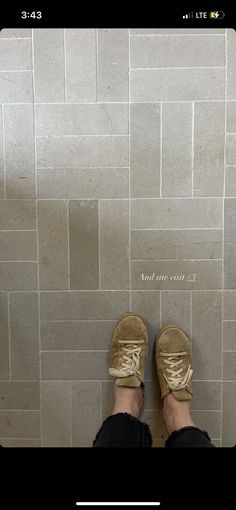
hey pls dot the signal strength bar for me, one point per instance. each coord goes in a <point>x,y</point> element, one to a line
<point>190,15</point>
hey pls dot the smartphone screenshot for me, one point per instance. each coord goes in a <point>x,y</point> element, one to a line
<point>118,244</point>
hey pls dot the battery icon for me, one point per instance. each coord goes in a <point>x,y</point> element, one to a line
<point>217,14</point>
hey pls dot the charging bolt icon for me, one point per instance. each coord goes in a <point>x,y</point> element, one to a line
<point>217,14</point>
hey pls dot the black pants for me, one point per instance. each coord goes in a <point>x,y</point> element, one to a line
<point>124,430</point>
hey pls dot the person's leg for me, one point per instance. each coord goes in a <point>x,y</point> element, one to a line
<point>174,369</point>
<point>129,350</point>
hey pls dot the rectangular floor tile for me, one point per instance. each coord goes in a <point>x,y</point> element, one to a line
<point>114,244</point>
<point>4,344</point>
<point>83,151</point>
<point>19,156</point>
<point>113,64</point>
<point>231,149</point>
<point>176,309</point>
<point>53,244</point>
<point>177,84</point>
<point>229,298</point>
<point>229,413</point>
<point>15,55</point>
<point>206,395</point>
<point>18,276</point>
<point>16,87</point>
<point>176,244</point>
<point>49,70</point>
<point>85,425</point>
<point>74,365</point>
<point>18,245</point>
<point>175,213</point>
<point>231,117</point>
<point>231,72</point>
<point>83,183</point>
<point>229,332</point>
<point>2,170</point>
<point>208,421</point>
<point>81,65</point>
<point>77,335</point>
<point>209,139</point>
<point>82,119</point>
<point>56,413</point>
<point>19,424</point>
<point>147,305</point>
<point>206,327</point>
<point>229,365</point>
<point>177,163</point>
<point>19,395</point>
<point>145,150</point>
<point>84,249</point>
<point>24,336</point>
<point>83,305</point>
<point>185,274</point>
<point>230,243</point>
<point>179,51</point>
<point>17,215</point>
<point>230,181</point>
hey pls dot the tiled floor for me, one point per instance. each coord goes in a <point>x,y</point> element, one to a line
<point>118,149</point>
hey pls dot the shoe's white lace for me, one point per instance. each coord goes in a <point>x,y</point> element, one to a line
<point>131,357</point>
<point>176,381</point>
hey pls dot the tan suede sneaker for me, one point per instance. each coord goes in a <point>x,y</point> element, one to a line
<point>174,363</point>
<point>129,350</point>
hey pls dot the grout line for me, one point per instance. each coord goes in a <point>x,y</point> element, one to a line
<point>74,350</point>
<point>18,261</point>
<point>96,36</point>
<point>191,315</point>
<point>173,260</point>
<point>160,309</point>
<point>68,241</point>
<point>66,291</point>
<point>175,229</point>
<point>99,247</point>
<point>229,350</point>
<point>9,334</point>
<point>80,320</point>
<point>82,136</point>
<point>174,68</point>
<point>15,38</point>
<point>21,410</point>
<point>129,131</point>
<point>37,233</point>
<point>229,320</point>
<point>124,102</point>
<point>161,115</point>
<point>193,134</point>
<point>65,85</point>
<point>178,35</point>
<point>18,230</point>
<point>16,71</point>
<point>101,399</point>
<point>71,412</point>
<point>223,253</point>
<point>4,156</point>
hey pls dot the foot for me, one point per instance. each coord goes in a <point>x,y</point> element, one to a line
<point>174,370</point>
<point>174,363</point>
<point>129,350</point>
<point>128,400</point>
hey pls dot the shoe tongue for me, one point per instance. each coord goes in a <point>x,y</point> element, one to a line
<point>131,381</point>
